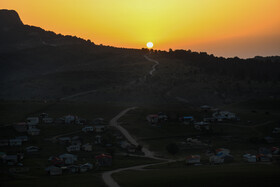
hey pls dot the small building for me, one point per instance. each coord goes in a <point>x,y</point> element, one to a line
<point>88,129</point>
<point>224,115</point>
<point>15,142</point>
<point>209,119</point>
<point>104,160</point>
<point>98,121</point>
<point>124,144</point>
<point>47,120</point>
<point>222,151</point>
<point>32,149</point>
<point>43,115</point>
<point>153,118</point>
<point>53,170</point>
<point>193,141</point>
<point>216,160</point>
<point>99,128</point>
<point>64,140</point>
<point>4,142</point>
<point>86,167</point>
<point>250,158</point>
<point>74,169</point>
<point>275,150</point>
<point>2,154</point>
<point>264,158</point>
<point>32,121</point>
<point>68,158</point>
<point>98,139</point>
<point>10,159</point>
<point>87,147</point>
<point>20,127</point>
<point>193,159</point>
<point>162,117</point>
<point>56,161</point>
<point>132,149</point>
<point>202,126</point>
<point>33,131</point>
<point>73,148</point>
<point>22,138</point>
<point>69,119</point>
<point>59,121</point>
<point>205,108</point>
<point>187,120</point>
<point>276,131</point>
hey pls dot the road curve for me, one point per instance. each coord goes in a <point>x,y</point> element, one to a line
<point>107,176</point>
<point>154,66</point>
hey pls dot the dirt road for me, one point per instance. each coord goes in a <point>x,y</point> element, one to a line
<point>107,176</point>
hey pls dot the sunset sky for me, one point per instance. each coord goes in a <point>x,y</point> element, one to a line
<point>243,28</point>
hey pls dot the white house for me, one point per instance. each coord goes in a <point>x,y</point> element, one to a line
<point>88,129</point>
<point>250,158</point>
<point>87,147</point>
<point>124,144</point>
<point>22,138</point>
<point>69,119</point>
<point>53,170</point>
<point>47,120</point>
<point>10,159</point>
<point>216,160</point>
<point>68,158</point>
<point>73,148</point>
<point>86,167</point>
<point>15,142</point>
<point>33,121</point>
<point>201,125</point>
<point>193,159</point>
<point>98,139</point>
<point>32,149</point>
<point>224,115</point>
<point>99,128</point>
<point>33,131</point>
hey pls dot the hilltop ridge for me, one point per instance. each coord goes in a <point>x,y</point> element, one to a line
<point>9,19</point>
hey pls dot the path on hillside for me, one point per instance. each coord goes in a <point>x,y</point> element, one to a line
<point>77,95</point>
<point>65,134</point>
<point>154,66</point>
<point>107,176</point>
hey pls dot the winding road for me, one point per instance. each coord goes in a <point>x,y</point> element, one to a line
<point>154,66</point>
<point>107,176</point>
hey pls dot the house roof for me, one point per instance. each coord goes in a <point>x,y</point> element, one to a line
<point>103,156</point>
<point>193,157</point>
<point>188,117</point>
<point>32,147</point>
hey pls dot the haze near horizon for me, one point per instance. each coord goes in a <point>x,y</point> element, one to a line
<point>223,28</point>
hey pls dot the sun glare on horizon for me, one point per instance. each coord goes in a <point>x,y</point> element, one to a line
<point>150,45</point>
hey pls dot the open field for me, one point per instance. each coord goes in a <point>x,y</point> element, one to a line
<point>225,175</point>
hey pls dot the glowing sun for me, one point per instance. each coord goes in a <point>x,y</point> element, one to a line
<point>150,45</point>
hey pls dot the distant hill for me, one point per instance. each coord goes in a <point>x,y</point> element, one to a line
<point>39,64</point>
<point>15,35</point>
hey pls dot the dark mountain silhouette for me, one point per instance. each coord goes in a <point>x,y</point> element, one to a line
<point>9,19</point>
<point>15,35</point>
<point>39,64</point>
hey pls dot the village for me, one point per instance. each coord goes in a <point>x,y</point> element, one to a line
<point>268,152</point>
<point>92,145</point>
<point>95,141</point>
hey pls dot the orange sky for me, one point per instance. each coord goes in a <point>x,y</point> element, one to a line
<point>243,28</point>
